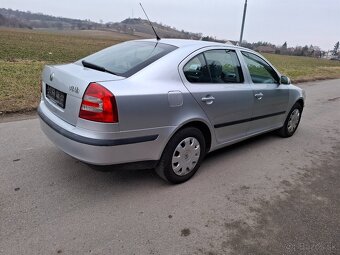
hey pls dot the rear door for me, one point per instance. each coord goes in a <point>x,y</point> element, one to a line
<point>215,79</point>
<point>270,97</point>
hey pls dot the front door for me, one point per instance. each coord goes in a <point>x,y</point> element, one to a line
<point>270,98</point>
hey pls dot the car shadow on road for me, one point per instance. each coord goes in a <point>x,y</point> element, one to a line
<point>237,147</point>
<point>125,175</point>
<point>148,175</point>
<point>86,176</point>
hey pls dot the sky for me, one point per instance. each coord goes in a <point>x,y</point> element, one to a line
<point>299,22</point>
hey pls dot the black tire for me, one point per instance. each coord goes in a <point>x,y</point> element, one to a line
<point>165,167</point>
<point>284,131</point>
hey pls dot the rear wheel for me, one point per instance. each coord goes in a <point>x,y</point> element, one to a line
<point>182,156</point>
<point>292,121</point>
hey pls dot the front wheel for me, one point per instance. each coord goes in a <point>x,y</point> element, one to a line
<point>292,121</point>
<point>182,156</point>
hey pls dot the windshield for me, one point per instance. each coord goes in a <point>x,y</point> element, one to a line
<point>126,59</point>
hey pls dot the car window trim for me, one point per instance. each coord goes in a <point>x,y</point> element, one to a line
<point>206,63</point>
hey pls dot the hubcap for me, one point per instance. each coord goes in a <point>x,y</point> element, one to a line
<point>293,120</point>
<point>186,156</point>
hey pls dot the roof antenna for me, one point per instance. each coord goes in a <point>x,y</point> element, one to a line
<point>157,37</point>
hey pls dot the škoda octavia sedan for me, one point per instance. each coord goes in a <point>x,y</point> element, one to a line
<point>164,104</point>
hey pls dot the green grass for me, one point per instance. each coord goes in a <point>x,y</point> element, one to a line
<point>301,69</point>
<point>23,53</point>
<point>52,47</point>
<point>19,85</point>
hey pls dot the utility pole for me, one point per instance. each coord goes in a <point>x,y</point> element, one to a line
<point>243,20</point>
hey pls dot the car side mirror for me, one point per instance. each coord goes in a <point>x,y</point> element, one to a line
<point>285,80</point>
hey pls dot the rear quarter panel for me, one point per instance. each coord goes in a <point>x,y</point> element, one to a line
<point>142,99</point>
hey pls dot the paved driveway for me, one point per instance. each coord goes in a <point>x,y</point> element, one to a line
<point>267,195</point>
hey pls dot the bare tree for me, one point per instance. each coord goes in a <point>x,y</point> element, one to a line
<point>336,49</point>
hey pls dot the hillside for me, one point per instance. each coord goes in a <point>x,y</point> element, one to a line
<point>39,20</point>
<point>136,26</point>
<point>142,27</point>
<point>12,22</point>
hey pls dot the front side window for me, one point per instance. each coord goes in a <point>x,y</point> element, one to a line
<point>214,66</point>
<point>260,71</point>
<point>224,66</point>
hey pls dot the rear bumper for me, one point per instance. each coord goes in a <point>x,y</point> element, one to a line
<point>103,148</point>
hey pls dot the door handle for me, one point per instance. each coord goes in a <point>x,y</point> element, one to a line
<point>259,96</point>
<point>208,99</point>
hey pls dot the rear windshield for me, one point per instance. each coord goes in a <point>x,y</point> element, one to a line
<point>126,59</point>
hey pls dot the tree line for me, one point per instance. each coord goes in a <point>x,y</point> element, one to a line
<point>307,50</point>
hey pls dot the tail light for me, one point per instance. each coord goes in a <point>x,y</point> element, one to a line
<point>98,104</point>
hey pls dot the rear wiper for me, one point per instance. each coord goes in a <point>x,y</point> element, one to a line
<point>96,67</point>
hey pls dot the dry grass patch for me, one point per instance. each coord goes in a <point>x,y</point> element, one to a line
<point>19,85</point>
<point>23,53</point>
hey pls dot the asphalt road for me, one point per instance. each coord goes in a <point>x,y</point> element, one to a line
<point>267,195</point>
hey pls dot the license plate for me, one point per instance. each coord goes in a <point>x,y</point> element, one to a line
<point>56,96</point>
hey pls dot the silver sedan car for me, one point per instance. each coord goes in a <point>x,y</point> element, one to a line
<point>164,104</point>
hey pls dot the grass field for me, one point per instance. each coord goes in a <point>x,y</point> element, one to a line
<point>302,69</point>
<point>23,53</point>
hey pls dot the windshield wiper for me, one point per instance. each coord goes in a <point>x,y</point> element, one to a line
<point>96,67</point>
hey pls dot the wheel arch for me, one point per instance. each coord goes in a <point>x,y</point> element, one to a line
<point>301,102</point>
<point>204,128</point>
<point>200,124</point>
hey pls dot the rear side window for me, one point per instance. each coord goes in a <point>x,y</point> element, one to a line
<point>260,71</point>
<point>196,70</point>
<point>214,66</point>
<point>126,59</point>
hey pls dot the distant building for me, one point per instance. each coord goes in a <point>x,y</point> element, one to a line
<point>229,43</point>
<point>328,54</point>
<point>265,49</point>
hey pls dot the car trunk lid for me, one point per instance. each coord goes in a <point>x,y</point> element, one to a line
<point>65,85</point>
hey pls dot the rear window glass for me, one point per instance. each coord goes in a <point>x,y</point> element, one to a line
<point>126,59</point>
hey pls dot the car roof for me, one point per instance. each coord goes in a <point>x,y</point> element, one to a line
<point>187,42</point>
